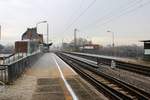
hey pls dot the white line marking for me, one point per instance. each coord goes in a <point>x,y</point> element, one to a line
<point>66,83</point>
<point>66,65</point>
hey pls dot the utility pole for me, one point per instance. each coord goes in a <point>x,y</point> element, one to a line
<point>47,33</point>
<point>113,42</point>
<point>0,32</point>
<point>113,63</point>
<point>62,44</point>
<point>75,39</point>
<point>47,41</point>
<point>47,28</point>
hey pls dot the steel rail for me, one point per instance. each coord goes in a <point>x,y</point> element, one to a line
<point>135,91</point>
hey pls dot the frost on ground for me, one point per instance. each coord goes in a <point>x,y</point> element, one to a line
<point>22,89</point>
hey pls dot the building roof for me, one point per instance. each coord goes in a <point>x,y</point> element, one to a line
<point>31,34</point>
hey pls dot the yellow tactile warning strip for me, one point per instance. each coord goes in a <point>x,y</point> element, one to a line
<point>49,89</point>
<point>81,89</point>
<point>65,82</point>
<point>65,90</point>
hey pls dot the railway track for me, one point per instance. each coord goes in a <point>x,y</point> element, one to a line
<point>111,87</point>
<point>132,67</point>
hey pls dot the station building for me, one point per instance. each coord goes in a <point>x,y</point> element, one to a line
<point>30,42</point>
<point>31,34</point>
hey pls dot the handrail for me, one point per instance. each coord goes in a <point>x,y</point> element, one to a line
<point>5,57</point>
<point>11,70</point>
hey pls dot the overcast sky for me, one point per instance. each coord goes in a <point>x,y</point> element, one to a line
<point>128,19</point>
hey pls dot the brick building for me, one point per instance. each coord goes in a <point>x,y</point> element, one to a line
<point>31,34</point>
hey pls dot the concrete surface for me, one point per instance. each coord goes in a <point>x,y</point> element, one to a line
<point>50,79</point>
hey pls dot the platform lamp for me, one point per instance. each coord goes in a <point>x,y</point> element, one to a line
<point>0,31</point>
<point>47,28</point>
<point>113,64</point>
<point>113,41</point>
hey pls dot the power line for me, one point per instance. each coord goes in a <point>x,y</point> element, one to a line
<point>80,15</point>
<point>121,9</point>
<point>125,13</point>
<point>80,6</point>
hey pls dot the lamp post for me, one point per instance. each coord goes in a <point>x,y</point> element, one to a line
<point>0,31</point>
<point>75,39</point>
<point>113,42</point>
<point>47,33</point>
<point>47,28</point>
<point>113,64</point>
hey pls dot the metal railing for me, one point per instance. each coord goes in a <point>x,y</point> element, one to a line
<point>15,65</point>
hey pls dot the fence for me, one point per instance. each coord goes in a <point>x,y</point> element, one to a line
<point>13,67</point>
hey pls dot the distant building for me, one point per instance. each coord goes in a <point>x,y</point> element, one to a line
<point>90,48</point>
<point>146,49</point>
<point>31,34</point>
<point>26,46</point>
<point>68,46</point>
<point>30,42</point>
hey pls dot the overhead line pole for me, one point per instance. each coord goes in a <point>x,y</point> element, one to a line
<point>47,33</point>
<point>113,42</point>
<point>0,31</point>
<point>109,17</point>
<point>47,29</point>
<point>80,15</point>
<point>75,39</point>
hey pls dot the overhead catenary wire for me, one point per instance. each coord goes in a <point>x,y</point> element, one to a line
<point>78,9</point>
<point>122,9</point>
<point>80,15</point>
<point>128,8</point>
<point>111,13</point>
<point>125,13</point>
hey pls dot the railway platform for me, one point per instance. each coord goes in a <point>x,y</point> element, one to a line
<point>50,78</point>
<point>128,60</point>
